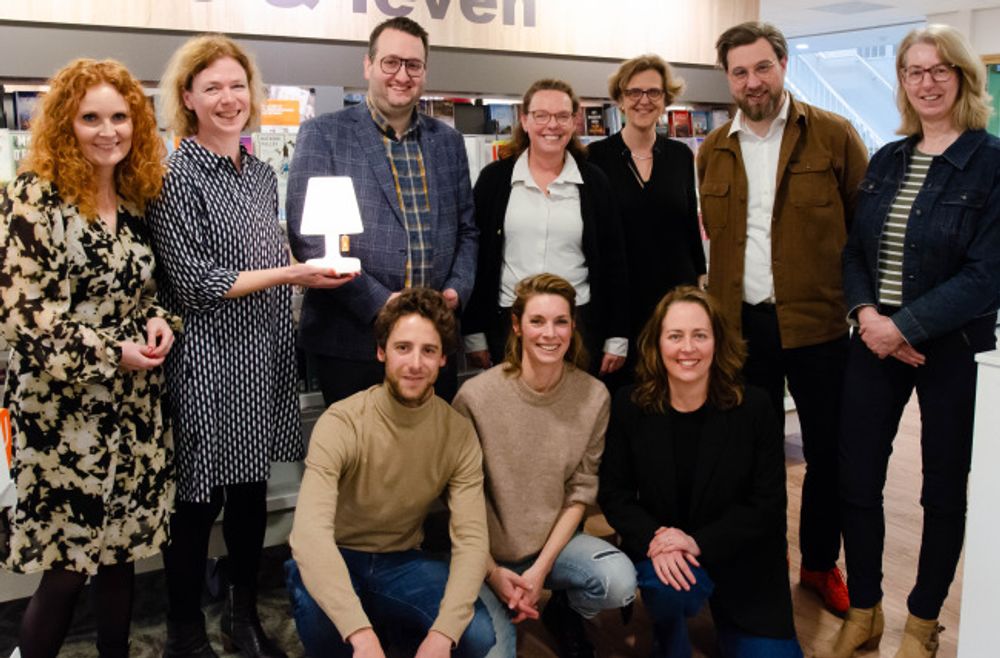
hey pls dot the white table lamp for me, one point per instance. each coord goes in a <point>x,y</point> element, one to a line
<point>331,210</point>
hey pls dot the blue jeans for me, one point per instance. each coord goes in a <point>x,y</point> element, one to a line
<point>669,609</point>
<point>595,574</point>
<point>400,592</point>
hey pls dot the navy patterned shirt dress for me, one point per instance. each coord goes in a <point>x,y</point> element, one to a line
<point>231,375</point>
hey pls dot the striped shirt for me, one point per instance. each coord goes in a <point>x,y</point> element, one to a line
<point>893,243</point>
<point>407,164</point>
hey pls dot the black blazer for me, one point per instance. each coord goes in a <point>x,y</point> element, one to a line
<point>603,248</point>
<point>738,504</point>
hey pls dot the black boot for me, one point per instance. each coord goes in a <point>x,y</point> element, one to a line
<point>187,639</point>
<point>566,626</point>
<point>241,628</point>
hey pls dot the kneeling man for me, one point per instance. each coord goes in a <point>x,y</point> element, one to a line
<point>377,462</point>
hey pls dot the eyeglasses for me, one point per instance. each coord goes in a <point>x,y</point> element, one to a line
<point>541,117</point>
<point>760,70</point>
<point>914,75</point>
<point>390,65</point>
<point>634,94</point>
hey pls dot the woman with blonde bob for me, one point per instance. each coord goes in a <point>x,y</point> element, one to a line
<point>921,278</point>
<point>652,178</point>
<point>91,459</point>
<point>693,481</point>
<point>232,375</point>
<point>541,420</point>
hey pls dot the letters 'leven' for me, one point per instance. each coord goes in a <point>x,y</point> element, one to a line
<point>474,11</point>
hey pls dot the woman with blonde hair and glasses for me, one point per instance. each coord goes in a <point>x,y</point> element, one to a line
<point>546,209</point>
<point>922,282</point>
<point>541,420</point>
<point>92,461</point>
<point>653,180</point>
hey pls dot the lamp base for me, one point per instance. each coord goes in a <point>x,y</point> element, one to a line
<point>337,263</point>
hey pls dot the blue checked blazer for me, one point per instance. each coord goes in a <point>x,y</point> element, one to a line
<point>339,322</point>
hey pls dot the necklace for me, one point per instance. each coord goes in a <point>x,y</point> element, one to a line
<point>636,156</point>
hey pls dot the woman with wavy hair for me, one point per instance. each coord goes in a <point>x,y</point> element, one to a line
<point>91,450</point>
<point>693,481</point>
<point>541,421</point>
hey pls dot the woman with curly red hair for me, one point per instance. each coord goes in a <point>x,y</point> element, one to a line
<point>78,306</point>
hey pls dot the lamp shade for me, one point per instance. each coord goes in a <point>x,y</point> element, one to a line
<point>330,207</point>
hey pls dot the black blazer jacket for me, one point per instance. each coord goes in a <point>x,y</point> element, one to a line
<point>738,504</point>
<point>603,248</point>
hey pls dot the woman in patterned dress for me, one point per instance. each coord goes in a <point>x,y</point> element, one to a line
<point>77,304</point>
<point>232,375</point>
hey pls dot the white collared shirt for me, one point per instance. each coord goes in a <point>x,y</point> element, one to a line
<point>760,161</point>
<point>544,232</point>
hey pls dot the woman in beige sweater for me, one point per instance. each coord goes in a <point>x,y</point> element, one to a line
<point>541,421</point>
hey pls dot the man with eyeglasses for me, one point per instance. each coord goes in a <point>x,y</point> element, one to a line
<point>778,187</point>
<point>411,177</point>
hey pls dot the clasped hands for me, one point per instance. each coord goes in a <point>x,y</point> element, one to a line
<point>519,592</point>
<point>884,339</point>
<point>672,552</point>
<point>159,340</point>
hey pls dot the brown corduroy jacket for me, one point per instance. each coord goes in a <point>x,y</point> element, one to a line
<point>821,163</point>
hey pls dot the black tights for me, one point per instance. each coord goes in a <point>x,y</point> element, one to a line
<point>243,526</point>
<point>47,618</point>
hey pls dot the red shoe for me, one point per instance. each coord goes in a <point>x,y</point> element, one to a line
<point>830,585</point>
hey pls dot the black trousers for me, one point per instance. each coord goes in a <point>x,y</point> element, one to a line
<point>815,374</point>
<point>185,558</point>
<point>875,392</point>
<point>341,378</point>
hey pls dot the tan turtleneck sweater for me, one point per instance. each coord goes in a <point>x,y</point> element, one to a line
<point>373,470</point>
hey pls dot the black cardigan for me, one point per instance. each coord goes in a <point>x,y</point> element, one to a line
<point>663,244</point>
<point>738,503</point>
<point>603,248</point>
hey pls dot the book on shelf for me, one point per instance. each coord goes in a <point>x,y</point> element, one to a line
<point>502,116</point>
<point>276,149</point>
<point>699,123</point>
<point>595,121</point>
<point>14,146</point>
<point>680,123</point>
<point>613,119</point>
<point>25,104</point>
<point>719,118</point>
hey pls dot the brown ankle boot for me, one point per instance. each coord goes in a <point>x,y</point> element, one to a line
<point>920,638</point>
<point>862,629</point>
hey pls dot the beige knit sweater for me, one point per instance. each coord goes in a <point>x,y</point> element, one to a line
<point>540,452</point>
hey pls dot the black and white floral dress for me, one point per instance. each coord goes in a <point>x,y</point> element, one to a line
<point>92,451</point>
<point>232,374</point>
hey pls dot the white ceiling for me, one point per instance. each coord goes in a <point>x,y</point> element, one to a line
<point>808,17</point>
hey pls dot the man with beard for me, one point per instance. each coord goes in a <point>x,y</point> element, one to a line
<point>778,186</point>
<point>377,462</point>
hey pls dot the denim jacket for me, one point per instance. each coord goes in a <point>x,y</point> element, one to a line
<point>951,263</point>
